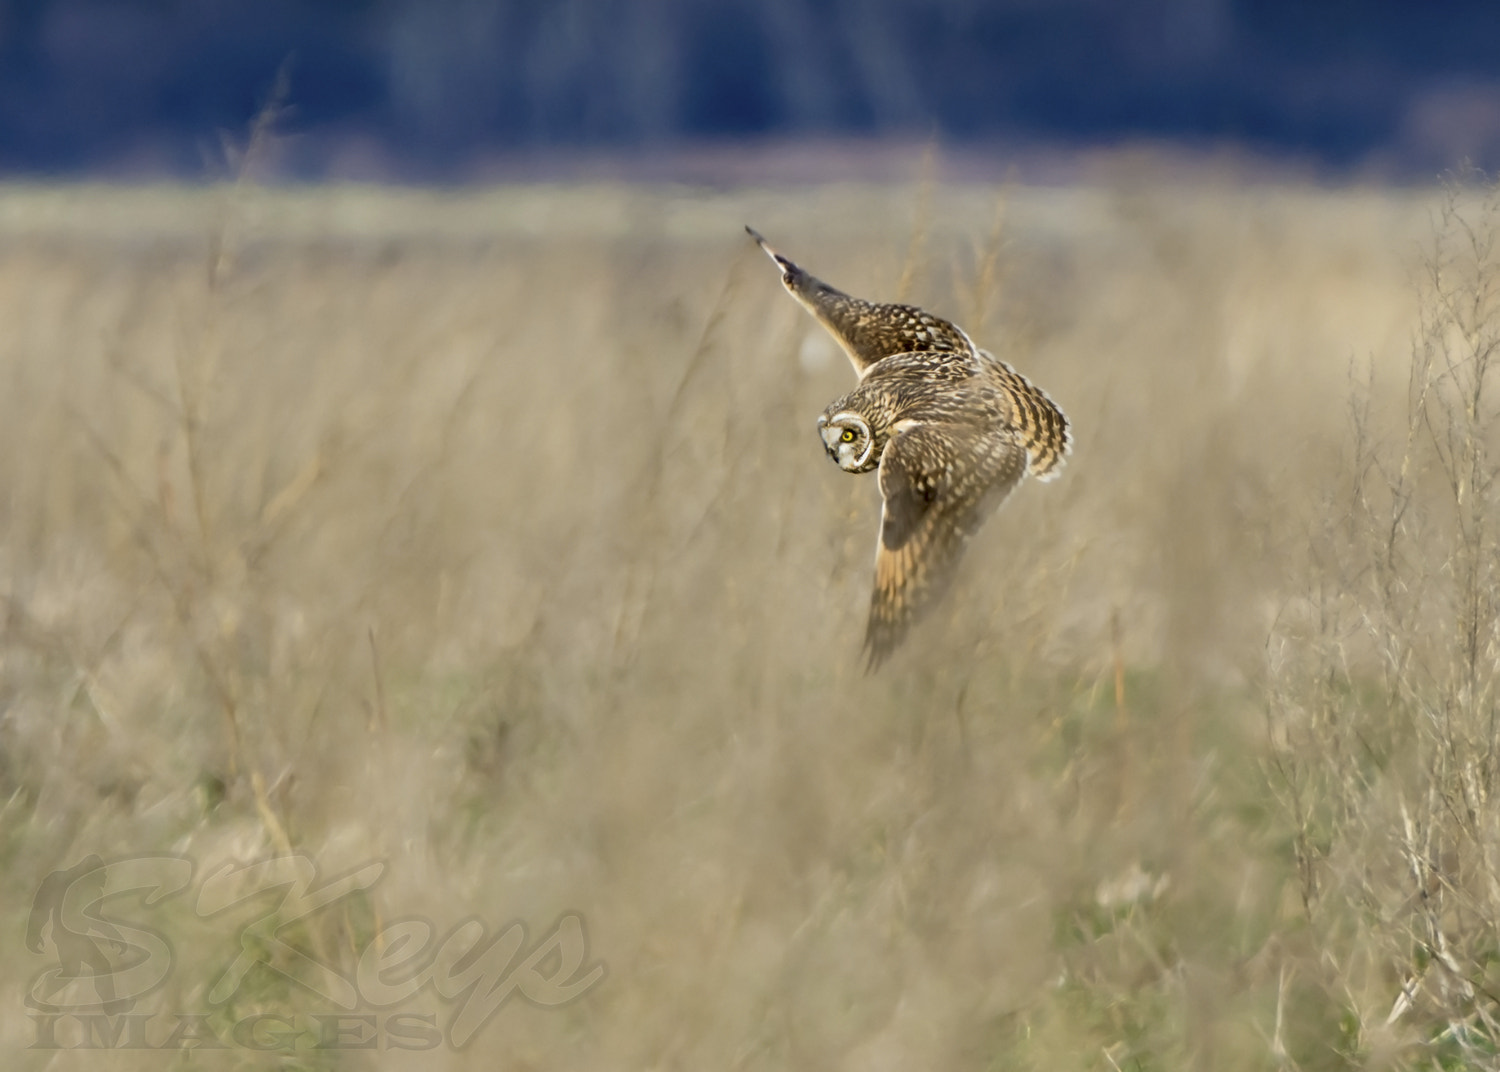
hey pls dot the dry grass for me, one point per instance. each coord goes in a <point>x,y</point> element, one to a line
<point>1384,702</point>
<point>487,535</point>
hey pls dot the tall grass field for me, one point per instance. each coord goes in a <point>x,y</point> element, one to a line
<point>430,627</point>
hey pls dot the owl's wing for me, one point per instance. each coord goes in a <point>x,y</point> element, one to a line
<point>940,483</point>
<point>867,331</point>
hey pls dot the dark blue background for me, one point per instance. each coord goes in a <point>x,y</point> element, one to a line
<point>425,88</point>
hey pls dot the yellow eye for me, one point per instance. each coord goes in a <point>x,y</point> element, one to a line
<point>848,436</point>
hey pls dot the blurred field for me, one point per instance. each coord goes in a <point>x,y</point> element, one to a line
<point>488,535</point>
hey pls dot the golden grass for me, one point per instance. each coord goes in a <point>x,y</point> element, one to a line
<point>487,535</point>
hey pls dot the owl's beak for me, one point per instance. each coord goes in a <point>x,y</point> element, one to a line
<point>823,435</point>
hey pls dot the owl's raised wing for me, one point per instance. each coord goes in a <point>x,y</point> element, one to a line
<point>867,331</point>
<point>940,483</point>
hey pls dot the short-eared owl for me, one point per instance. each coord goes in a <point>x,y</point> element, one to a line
<point>952,429</point>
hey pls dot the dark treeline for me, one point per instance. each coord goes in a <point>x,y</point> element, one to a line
<point>85,84</point>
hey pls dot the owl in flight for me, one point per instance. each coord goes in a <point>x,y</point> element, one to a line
<point>951,427</point>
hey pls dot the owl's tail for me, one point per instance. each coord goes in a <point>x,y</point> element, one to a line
<point>1045,431</point>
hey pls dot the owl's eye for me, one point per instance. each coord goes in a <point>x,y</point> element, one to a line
<point>848,436</point>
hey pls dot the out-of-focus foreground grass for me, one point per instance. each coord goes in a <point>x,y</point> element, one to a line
<point>488,536</point>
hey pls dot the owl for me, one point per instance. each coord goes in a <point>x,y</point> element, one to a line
<point>950,428</point>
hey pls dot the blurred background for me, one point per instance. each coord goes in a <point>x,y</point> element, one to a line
<point>405,456</point>
<point>466,89</point>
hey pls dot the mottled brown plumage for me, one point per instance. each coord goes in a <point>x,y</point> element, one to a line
<point>867,331</point>
<point>952,429</point>
<point>931,509</point>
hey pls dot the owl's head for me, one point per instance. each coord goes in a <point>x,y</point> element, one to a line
<point>848,440</point>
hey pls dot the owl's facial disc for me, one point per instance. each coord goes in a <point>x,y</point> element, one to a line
<point>847,439</point>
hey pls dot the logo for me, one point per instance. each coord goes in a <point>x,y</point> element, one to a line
<point>408,985</point>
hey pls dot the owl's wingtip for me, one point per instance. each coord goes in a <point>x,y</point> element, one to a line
<point>784,264</point>
<point>761,242</point>
<point>879,644</point>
